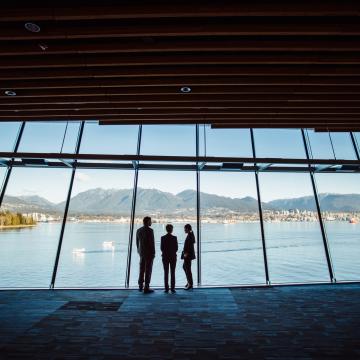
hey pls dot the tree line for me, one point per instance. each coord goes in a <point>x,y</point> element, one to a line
<point>8,218</point>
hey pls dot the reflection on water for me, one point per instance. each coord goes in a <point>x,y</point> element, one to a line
<point>95,255</point>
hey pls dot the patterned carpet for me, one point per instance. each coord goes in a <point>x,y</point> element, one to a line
<point>295,322</point>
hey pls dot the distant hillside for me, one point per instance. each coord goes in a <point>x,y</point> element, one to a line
<point>118,202</point>
<point>328,202</point>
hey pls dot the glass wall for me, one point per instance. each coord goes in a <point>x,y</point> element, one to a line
<point>176,140</point>
<point>8,134</point>
<point>109,139</point>
<point>56,137</point>
<point>330,145</point>
<point>292,232</point>
<point>279,143</point>
<point>224,142</point>
<point>94,250</point>
<point>231,247</point>
<point>340,205</point>
<point>2,175</point>
<point>30,222</point>
<point>168,197</point>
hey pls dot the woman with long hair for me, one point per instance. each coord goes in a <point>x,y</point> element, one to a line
<point>188,255</point>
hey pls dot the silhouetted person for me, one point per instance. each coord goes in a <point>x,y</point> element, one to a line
<point>169,247</point>
<point>145,244</point>
<point>188,255</point>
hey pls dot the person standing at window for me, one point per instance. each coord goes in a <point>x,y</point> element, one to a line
<point>188,255</point>
<point>169,248</point>
<point>145,244</point>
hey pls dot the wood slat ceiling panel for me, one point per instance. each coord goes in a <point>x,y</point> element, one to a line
<point>260,64</point>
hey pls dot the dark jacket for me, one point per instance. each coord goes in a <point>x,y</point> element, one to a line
<point>189,246</point>
<point>169,246</point>
<point>145,242</point>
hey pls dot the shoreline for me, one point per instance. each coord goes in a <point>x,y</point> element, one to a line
<point>3,227</point>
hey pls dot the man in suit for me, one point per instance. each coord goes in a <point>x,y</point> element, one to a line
<point>169,247</point>
<point>145,244</point>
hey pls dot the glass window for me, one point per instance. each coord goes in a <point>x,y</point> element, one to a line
<point>340,207</point>
<point>279,143</point>
<point>54,137</point>
<point>357,140</point>
<point>224,142</point>
<point>30,219</point>
<point>231,243</point>
<point>330,145</point>
<point>94,250</point>
<point>109,139</point>
<point>2,175</point>
<point>168,197</point>
<point>168,140</point>
<point>292,231</point>
<point>8,134</point>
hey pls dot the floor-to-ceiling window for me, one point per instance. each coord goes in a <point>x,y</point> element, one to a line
<point>222,196</point>
<point>339,196</point>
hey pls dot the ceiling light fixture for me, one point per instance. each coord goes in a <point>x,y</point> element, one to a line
<point>185,89</point>
<point>10,93</point>
<point>43,47</point>
<point>35,28</point>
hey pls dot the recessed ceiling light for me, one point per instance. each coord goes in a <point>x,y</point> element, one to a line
<point>35,28</point>
<point>43,47</point>
<point>139,108</point>
<point>185,89</point>
<point>10,93</point>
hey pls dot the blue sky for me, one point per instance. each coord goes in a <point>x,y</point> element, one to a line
<point>174,140</point>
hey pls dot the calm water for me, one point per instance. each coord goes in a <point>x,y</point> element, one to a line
<point>95,254</point>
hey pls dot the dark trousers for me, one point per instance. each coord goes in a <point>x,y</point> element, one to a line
<point>145,272</point>
<point>188,273</point>
<point>172,264</point>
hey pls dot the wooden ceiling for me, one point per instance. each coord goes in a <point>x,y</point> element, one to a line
<point>248,63</point>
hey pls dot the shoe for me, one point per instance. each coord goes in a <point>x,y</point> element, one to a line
<point>140,289</point>
<point>173,291</point>
<point>188,288</point>
<point>166,291</point>
<point>148,291</point>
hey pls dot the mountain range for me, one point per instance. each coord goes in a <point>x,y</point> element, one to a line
<point>118,202</point>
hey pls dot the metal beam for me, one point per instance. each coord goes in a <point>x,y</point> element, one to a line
<point>68,198</point>
<point>182,159</point>
<point>198,208</point>
<point>355,145</point>
<point>317,202</point>
<point>133,208</point>
<point>9,169</point>
<point>263,242</point>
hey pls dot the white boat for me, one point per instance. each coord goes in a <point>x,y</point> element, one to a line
<point>108,244</point>
<point>78,250</point>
